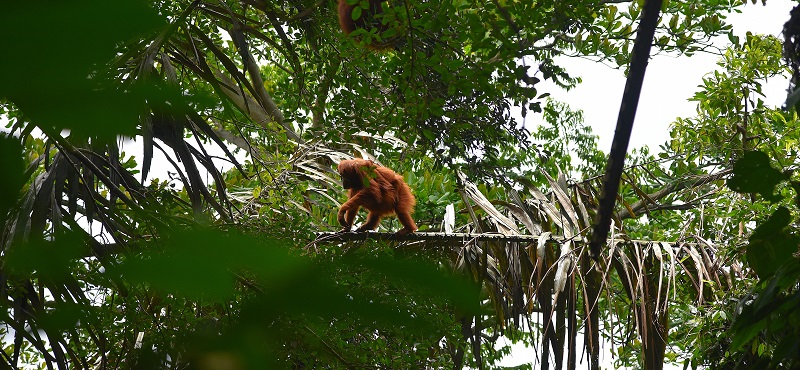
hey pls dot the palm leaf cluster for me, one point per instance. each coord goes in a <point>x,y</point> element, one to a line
<point>553,290</point>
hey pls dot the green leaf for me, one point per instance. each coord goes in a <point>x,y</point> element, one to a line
<point>12,167</point>
<point>753,174</point>
<point>52,84</point>
<point>203,264</point>
<point>673,22</point>
<point>64,316</point>
<point>356,13</point>
<point>391,32</point>
<point>746,332</point>
<point>771,245</point>
<point>48,259</point>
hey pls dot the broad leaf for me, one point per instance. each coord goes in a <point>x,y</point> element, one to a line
<point>753,174</point>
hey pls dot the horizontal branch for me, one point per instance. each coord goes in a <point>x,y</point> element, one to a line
<point>104,250</point>
<point>427,236</point>
<point>331,237</point>
<point>688,183</point>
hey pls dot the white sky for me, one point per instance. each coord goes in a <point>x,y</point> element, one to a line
<point>668,83</point>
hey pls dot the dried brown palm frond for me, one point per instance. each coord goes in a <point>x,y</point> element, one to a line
<point>560,288</point>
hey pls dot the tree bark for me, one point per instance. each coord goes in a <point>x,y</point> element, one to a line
<point>627,113</point>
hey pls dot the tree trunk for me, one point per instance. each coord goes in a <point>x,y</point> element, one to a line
<point>655,322</point>
<point>591,339</point>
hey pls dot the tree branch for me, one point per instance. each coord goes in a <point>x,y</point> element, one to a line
<point>461,238</point>
<point>627,112</point>
<point>691,182</point>
<point>250,106</point>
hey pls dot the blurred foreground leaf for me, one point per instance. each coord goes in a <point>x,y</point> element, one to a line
<point>277,289</point>
<point>56,59</point>
<point>12,167</point>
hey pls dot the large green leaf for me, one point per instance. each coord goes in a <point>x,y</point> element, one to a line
<point>772,244</point>
<point>55,71</point>
<point>753,173</point>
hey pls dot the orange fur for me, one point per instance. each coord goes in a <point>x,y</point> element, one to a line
<point>378,189</point>
<point>346,20</point>
<point>367,20</point>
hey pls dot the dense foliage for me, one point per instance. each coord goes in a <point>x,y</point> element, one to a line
<point>199,250</point>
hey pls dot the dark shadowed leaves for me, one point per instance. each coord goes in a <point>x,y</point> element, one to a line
<point>773,311</point>
<point>207,263</point>
<point>460,292</point>
<point>12,168</point>
<point>50,260</point>
<point>56,56</point>
<point>753,174</point>
<point>771,244</point>
<point>204,264</point>
<point>63,316</point>
<point>217,266</point>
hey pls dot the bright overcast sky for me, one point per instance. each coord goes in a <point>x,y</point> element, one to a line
<point>668,83</point>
